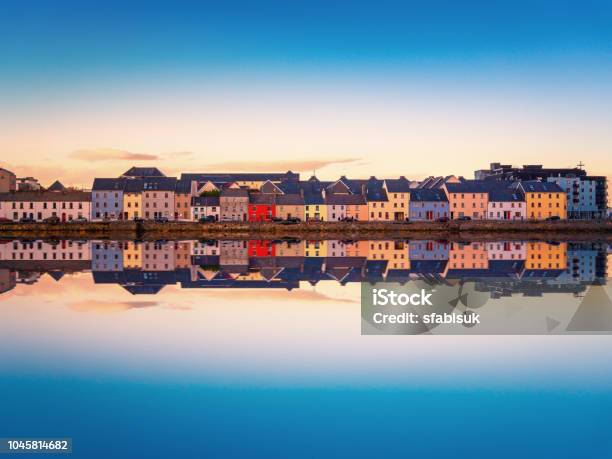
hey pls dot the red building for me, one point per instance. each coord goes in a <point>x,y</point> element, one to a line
<point>262,207</point>
<point>262,248</point>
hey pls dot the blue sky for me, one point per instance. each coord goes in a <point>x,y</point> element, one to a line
<point>74,38</point>
<point>494,64</point>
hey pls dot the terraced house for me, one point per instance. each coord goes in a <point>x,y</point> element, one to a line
<point>379,207</point>
<point>506,204</point>
<point>315,208</point>
<point>132,199</point>
<point>158,197</point>
<point>262,207</point>
<point>65,204</point>
<point>183,194</point>
<point>428,204</point>
<point>469,198</point>
<point>205,206</point>
<point>543,200</point>
<point>107,198</point>
<point>290,205</point>
<point>398,193</point>
<point>234,203</point>
<point>337,197</point>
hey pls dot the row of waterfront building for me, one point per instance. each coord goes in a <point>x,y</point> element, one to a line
<point>144,267</point>
<point>500,193</point>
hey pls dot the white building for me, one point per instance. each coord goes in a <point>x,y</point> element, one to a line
<point>66,205</point>
<point>205,206</point>
<point>506,205</point>
<point>64,250</point>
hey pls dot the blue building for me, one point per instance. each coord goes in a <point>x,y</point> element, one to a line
<point>107,198</point>
<point>581,196</point>
<point>428,250</point>
<point>106,256</point>
<point>428,204</point>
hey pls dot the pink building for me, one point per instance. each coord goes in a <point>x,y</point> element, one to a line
<point>158,197</point>
<point>506,205</point>
<point>157,256</point>
<point>508,250</point>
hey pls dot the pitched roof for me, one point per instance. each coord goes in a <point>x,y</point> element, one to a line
<point>241,177</point>
<point>108,184</point>
<point>262,199</point>
<point>56,186</point>
<point>133,186</point>
<point>470,186</point>
<point>428,195</point>
<point>40,196</point>
<point>290,199</point>
<point>375,190</point>
<point>345,199</point>
<point>159,183</point>
<point>313,197</point>
<point>534,186</point>
<point>234,193</point>
<point>400,185</point>
<point>205,201</point>
<point>143,172</point>
<point>183,186</point>
<point>506,195</point>
<point>270,187</point>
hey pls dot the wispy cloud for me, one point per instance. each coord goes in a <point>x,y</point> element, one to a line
<point>270,166</point>
<point>105,154</point>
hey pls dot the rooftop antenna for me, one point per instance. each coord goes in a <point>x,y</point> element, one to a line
<point>580,165</point>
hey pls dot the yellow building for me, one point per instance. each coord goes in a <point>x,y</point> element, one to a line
<point>315,248</point>
<point>315,211</point>
<point>544,200</point>
<point>379,207</point>
<point>394,252</point>
<point>398,194</point>
<point>132,255</point>
<point>132,199</point>
<point>542,255</point>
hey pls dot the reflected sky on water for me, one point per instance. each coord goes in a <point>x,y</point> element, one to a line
<point>279,313</point>
<point>254,348</point>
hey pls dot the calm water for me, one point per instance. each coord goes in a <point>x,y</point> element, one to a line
<point>254,348</point>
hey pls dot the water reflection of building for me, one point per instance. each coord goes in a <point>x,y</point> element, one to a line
<point>506,250</point>
<point>24,261</point>
<point>37,250</point>
<point>468,256</point>
<point>543,255</point>
<point>500,268</point>
<point>106,256</point>
<point>428,250</point>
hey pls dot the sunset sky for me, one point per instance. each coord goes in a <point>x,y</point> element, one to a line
<point>382,88</point>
